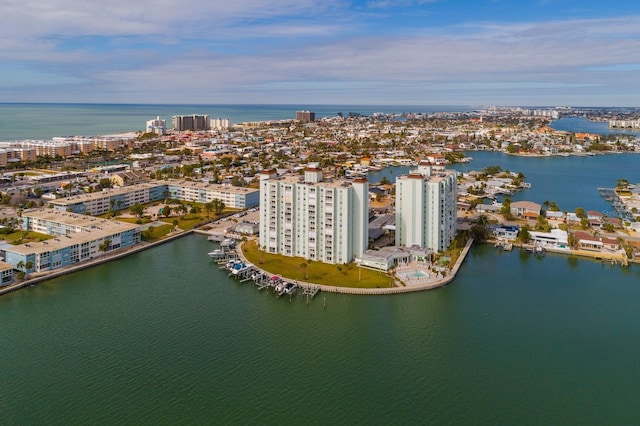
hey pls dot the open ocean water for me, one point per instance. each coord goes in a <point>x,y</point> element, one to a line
<point>165,337</point>
<point>45,121</point>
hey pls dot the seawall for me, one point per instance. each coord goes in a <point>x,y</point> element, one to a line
<point>107,257</point>
<point>381,291</point>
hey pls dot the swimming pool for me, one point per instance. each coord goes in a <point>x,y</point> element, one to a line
<point>415,273</point>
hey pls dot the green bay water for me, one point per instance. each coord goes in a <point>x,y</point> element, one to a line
<point>164,336</point>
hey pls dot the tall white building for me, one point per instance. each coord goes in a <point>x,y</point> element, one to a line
<point>426,207</point>
<point>312,218</point>
<point>219,123</point>
<point>157,126</point>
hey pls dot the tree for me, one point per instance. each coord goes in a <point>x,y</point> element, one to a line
<point>137,210</point>
<point>20,265</point>
<point>622,184</point>
<point>579,211</point>
<point>480,229</point>
<point>147,234</point>
<point>104,246</point>
<point>28,265</point>
<point>208,208</point>
<point>166,211</point>
<point>218,206</point>
<point>305,268</point>
<point>105,183</point>
<point>524,236</point>
<point>584,223</point>
<point>506,209</point>
<point>572,241</point>
<point>542,224</point>
<point>263,249</point>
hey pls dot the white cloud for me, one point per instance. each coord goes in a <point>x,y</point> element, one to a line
<point>189,48</point>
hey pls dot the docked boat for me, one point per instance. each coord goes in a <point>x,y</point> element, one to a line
<point>240,267</point>
<point>290,288</point>
<point>280,286</point>
<point>226,246</point>
<point>217,254</point>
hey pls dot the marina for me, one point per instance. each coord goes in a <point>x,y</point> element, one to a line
<point>610,195</point>
<point>245,272</point>
<point>225,250</point>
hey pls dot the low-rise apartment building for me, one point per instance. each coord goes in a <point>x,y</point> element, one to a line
<point>77,238</point>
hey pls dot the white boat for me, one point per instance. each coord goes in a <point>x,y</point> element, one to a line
<point>217,254</point>
<point>228,244</point>
<point>240,267</point>
<point>279,287</point>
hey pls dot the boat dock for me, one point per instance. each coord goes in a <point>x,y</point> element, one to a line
<point>610,195</point>
<point>245,272</point>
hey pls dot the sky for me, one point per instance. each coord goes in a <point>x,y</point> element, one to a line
<point>376,52</point>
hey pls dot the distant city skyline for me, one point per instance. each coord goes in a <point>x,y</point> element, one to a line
<point>382,52</point>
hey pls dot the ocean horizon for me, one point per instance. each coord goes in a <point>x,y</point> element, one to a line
<point>43,121</point>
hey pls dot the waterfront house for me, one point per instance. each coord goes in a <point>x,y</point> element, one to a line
<point>615,221</point>
<point>505,232</point>
<point>594,215</point>
<point>573,218</point>
<point>589,242</point>
<point>554,215</point>
<point>555,239</point>
<point>527,209</point>
<point>489,208</point>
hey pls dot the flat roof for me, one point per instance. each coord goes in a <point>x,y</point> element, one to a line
<point>80,220</point>
<point>93,228</point>
<point>149,185</point>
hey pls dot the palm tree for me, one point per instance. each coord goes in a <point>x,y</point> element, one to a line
<point>208,208</point>
<point>104,246</point>
<point>305,267</point>
<point>262,250</point>
<point>166,211</point>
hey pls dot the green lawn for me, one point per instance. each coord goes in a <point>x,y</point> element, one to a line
<point>21,237</point>
<point>159,232</point>
<point>189,221</point>
<point>317,272</point>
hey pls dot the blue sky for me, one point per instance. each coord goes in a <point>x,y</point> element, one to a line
<point>405,52</point>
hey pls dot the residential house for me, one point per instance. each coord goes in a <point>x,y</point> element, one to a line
<point>526,209</point>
